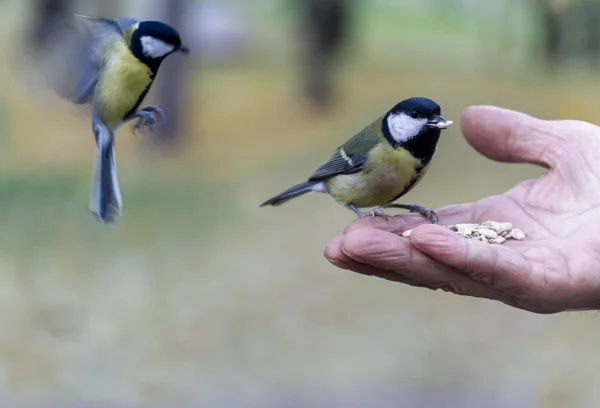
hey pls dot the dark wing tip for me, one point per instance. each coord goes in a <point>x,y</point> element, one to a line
<point>270,202</point>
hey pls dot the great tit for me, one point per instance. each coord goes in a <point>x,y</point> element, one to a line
<point>381,163</point>
<point>110,65</point>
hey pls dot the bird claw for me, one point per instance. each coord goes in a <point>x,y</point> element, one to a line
<point>158,113</point>
<point>148,118</point>
<point>429,214</point>
<point>375,212</point>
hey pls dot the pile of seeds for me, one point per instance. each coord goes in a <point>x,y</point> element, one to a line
<point>490,231</point>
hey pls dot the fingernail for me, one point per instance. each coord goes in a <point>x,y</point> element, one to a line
<point>339,264</point>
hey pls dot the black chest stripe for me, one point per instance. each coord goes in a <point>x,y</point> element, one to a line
<point>132,111</point>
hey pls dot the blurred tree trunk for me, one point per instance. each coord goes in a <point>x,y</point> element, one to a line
<point>550,31</point>
<point>171,81</point>
<point>45,15</point>
<point>591,17</point>
<point>324,29</point>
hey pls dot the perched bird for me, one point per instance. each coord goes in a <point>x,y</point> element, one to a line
<point>109,65</point>
<point>381,163</point>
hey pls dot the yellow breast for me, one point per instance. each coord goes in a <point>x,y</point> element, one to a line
<point>386,177</point>
<point>122,82</point>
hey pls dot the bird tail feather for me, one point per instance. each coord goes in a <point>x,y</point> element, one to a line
<point>292,192</point>
<point>105,197</point>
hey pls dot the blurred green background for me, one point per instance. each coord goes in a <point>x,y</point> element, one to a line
<point>198,297</point>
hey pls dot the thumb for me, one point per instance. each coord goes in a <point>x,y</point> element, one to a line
<point>509,136</point>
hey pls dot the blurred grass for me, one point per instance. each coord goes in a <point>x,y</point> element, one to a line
<point>197,295</point>
<point>48,211</point>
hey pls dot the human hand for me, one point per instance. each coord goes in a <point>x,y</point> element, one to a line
<point>556,268</point>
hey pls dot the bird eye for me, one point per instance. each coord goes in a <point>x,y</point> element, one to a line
<point>414,114</point>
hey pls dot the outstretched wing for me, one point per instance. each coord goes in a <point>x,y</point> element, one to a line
<point>90,39</point>
<point>74,53</point>
<point>352,156</point>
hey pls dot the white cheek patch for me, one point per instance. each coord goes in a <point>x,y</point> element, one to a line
<point>403,127</point>
<point>155,48</point>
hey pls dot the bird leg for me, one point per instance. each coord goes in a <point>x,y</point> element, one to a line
<point>429,214</point>
<point>149,117</point>
<point>375,212</point>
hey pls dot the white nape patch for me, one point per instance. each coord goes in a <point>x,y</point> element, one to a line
<point>346,157</point>
<point>155,48</point>
<point>403,127</point>
<point>319,188</point>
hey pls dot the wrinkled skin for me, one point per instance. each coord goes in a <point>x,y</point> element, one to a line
<point>556,268</point>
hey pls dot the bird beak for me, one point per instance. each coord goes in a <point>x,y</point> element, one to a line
<point>185,50</point>
<point>439,122</point>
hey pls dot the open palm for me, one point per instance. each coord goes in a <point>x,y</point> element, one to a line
<point>557,266</point>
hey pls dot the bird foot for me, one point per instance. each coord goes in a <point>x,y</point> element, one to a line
<point>375,212</point>
<point>413,208</point>
<point>148,118</point>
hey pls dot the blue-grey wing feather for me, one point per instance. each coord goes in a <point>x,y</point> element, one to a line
<point>76,54</point>
<point>351,157</point>
<point>125,22</point>
<point>338,163</point>
<point>94,35</point>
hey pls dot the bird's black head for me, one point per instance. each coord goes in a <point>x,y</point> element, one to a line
<point>415,124</point>
<point>417,108</point>
<point>153,41</point>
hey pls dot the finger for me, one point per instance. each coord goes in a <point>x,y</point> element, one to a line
<point>497,266</point>
<point>453,214</point>
<point>335,255</point>
<point>510,136</point>
<point>388,251</point>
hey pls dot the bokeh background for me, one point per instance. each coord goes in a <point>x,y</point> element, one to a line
<point>199,298</point>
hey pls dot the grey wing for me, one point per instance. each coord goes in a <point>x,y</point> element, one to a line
<point>349,158</point>
<point>73,55</point>
<point>126,22</point>
<point>340,163</point>
<point>90,41</point>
